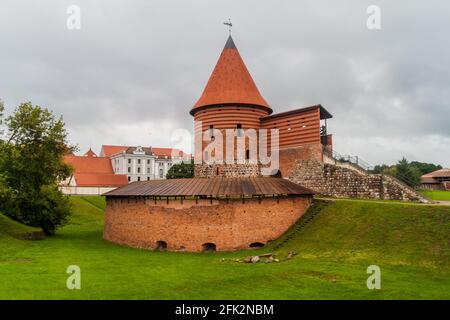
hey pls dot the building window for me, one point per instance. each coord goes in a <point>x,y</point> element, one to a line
<point>148,178</point>
<point>161,173</point>
<point>129,179</point>
<point>239,130</point>
<point>247,154</point>
<point>139,179</point>
<point>211,131</point>
<point>139,161</point>
<point>148,170</point>
<point>129,169</point>
<point>129,160</point>
<point>139,170</point>
<point>148,161</point>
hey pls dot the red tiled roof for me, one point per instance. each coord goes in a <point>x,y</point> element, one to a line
<point>230,82</point>
<point>433,177</point>
<point>100,180</point>
<point>438,173</point>
<point>96,171</point>
<point>90,153</point>
<point>109,151</point>
<point>90,164</point>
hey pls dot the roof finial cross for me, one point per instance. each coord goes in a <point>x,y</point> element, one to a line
<point>229,24</point>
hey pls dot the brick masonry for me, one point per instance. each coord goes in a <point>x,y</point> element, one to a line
<point>332,180</point>
<point>187,225</point>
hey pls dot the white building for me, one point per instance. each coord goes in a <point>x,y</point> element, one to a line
<point>142,163</point>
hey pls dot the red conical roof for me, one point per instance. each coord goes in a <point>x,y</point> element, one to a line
<point>230,82</point>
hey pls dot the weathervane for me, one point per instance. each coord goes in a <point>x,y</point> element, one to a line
<point>229,24</point>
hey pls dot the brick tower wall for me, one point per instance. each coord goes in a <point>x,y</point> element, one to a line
<point>187,225</point>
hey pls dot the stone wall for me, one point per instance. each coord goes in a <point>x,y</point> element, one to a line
<point>287,160</point>
<point>188,224</point>
<point>333,180</point>
<point>226,170</point>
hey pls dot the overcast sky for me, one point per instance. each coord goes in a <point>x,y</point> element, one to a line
<point>132,72</point>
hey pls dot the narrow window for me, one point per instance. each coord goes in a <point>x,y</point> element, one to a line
<point>239,129</point>
<point>139,179</point>
<point>247,154</point>
<point>211,131</point>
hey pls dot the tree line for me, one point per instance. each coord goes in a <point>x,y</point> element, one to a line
<point>406,171</point>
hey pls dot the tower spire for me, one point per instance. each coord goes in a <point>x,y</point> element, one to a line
<point>230,83</point>
<point>229,24</point>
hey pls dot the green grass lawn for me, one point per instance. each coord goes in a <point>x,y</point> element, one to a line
<point>437,194</point>
<point>410,243</point>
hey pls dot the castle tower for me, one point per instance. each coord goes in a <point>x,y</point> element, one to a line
<point>230,100</point>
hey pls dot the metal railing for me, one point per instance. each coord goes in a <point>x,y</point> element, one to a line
<point>353,160</point>
<point>366,167</point>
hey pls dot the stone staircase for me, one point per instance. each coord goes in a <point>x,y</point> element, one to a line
<point>362,167</point>
<point>313,211</point>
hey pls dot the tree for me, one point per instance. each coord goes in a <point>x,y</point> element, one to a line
<point>2,109</point>
<point>181,170</point>
<point>407,173</point>
<point>32,164</point>
<point>425,168</point>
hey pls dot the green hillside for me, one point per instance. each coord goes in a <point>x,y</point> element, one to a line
<point>9,227</point>
<point>335,242</point>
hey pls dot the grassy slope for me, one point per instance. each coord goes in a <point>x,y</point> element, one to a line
<point>437,194</point>
<point>9,227</point>
<point>409,242</point>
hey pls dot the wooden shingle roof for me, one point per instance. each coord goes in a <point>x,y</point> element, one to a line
<point>213,187</point>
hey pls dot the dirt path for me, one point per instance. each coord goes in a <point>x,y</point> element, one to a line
<point>434,203</point>
<point>443,203</point>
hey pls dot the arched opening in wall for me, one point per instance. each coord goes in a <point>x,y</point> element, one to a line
<point>277,174</point>
<point>208,247</point>
<point>217,171</point>
<point>161,246</point>
<point>255,245</point>
<point>247,154</point>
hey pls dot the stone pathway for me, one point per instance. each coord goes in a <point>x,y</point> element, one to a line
<point>435,202</point>
<point>443,203</point>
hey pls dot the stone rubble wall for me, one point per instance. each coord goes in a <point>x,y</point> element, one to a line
<point>226,170</point>
<point>336,181</point>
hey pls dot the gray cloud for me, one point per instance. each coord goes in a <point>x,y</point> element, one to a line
<point>133,71</point>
